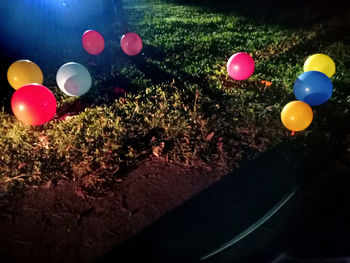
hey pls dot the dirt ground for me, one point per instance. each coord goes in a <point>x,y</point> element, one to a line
<point>60,223</point>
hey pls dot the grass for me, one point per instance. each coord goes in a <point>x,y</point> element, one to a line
<point>180,104</point>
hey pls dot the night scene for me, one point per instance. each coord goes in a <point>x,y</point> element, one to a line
<point>174,131</point>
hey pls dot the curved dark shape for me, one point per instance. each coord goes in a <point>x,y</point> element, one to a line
<point>203,228</point>
<point>254,226</point>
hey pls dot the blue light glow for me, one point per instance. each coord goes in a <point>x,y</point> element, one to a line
<point>47,30</point>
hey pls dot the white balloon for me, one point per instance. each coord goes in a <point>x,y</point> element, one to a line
<point>73,79</point>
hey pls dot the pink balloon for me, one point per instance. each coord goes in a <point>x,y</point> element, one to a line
<point>33,104</point>
<point>93,42</point>
<point>240,66</point>
<point>131,44</point>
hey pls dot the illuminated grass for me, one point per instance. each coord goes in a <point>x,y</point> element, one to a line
<point>181,104</point>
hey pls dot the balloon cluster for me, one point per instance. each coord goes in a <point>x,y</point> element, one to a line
<point>34,104</point>
<point>31,103</point>
<point>311,88</point>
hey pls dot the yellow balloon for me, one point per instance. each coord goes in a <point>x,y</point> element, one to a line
<point>296,115</point>
<point>23,72</point>
<point>321,63</point>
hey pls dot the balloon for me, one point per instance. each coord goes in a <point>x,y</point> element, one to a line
<point>313,87</point>
<point>93,42</point>
<point>321,63</point>
<point>23,72</point>
<point>33,104</point>
<point>296,115</point>
<point>131,44</point>
<point>240,66</point>
<point>73,79</point>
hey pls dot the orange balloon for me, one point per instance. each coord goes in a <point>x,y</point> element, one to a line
<point>23,72</point>
<point>296,115</point>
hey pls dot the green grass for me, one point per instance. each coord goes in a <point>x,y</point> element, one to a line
<point>183,106</point>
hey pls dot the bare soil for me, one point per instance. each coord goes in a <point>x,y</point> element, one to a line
<point>61,223</point>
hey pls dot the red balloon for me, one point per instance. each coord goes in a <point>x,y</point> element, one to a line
<point>33,104</point>
<point>131,44</point>
<point>93,42</point>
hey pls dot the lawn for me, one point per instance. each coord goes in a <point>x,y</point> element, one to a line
<point>179,104</point>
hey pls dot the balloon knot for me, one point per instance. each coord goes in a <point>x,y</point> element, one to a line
<point>293,133</point>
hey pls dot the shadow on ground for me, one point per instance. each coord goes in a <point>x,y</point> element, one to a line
<point>289,13</point>
<point>316,217</point>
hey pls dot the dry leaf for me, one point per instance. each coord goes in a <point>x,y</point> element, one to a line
<point>79,192</point>
<point>67,117</point>
<point>118,90</point>
<point>44,141</point>
<point>157,151</point>
<point>209,136</point>
<point>21,165</point>
<point>267,83</point>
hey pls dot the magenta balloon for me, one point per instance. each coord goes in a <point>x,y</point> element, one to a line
<point>33,104</point>
<point>131,44</point>
<point>93,42</point>
<point>240,66</point>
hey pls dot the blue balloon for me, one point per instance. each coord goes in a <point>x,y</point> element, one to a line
<point>313,88</point>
